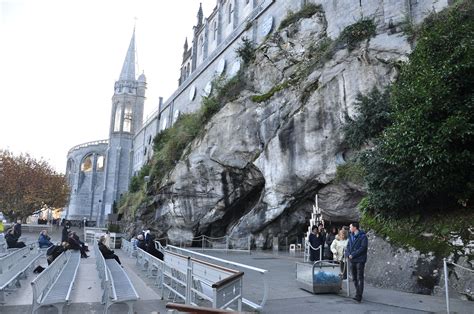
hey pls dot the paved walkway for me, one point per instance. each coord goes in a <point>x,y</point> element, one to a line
<point>284,295</point>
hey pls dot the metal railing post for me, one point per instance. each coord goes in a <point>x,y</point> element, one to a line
<point>249,244</point>
<point>346,266</point>
<point>320,253</point>
<point>189,281</point>
<point>445,266</point>
<point>226,244</point>
<point>202,243</point>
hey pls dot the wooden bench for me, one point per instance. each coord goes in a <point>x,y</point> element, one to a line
<point>15,266</point>
<point>116,285</point>
<point>53,286</point>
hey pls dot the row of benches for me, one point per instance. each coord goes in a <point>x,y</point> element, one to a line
<point>190,279</point>
<point>15,265</point>
<point>116,285</point>
<point>54,285</point>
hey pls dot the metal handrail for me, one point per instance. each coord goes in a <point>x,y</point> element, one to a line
<point>235,264</point>
<point>445,267</point>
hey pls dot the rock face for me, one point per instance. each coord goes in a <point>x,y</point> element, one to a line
<point>258,166</point>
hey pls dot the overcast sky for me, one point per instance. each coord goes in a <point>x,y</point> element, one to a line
<point>59,60</point>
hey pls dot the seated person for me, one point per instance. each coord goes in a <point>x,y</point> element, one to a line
<point>76,246</point>
<point>12,240</point>
<point>54,251</point>
<point>106,252</point>
<point>44,240</point>
<point>76,237</point>
<point>141,242</point>
<point>152,250</point>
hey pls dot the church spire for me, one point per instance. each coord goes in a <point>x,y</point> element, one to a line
<point>128,68</point>
<point>199,15</point>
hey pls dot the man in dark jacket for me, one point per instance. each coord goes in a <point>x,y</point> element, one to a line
<point>106,252</point>
<point>12,240</point>
<point>357,254</point>
<point>316,241</point>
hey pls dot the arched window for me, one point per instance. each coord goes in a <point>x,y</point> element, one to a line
<point>229,17</point>
<point>215,30</point>
<point>127,119</point>
<point>118,117</point>
<point>201,45</point>
<point>86,165</point>
<point>70,166</point>
<point>100,163</point>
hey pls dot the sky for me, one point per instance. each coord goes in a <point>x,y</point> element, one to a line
<point>59,60</point>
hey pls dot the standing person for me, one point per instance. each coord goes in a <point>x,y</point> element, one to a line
<point>106,252</point>
<point>44,240</point>
<point>322,234</point>
<point>65,233</point>
<point>315,240</point>
<point>107,239</point>
<point>338,246</point>
<point>357,254</point>
<point>331,236</point>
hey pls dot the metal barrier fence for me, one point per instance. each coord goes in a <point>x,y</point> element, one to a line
<point>245,268</point>
<point>445,267</point>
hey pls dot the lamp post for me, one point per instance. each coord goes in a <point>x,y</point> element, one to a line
<point>84,224</point>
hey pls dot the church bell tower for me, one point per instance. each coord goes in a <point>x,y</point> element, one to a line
<point>125,121</point>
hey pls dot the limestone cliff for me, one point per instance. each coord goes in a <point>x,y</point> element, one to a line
<point>264,156</point>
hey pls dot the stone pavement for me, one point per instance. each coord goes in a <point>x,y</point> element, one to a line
<point>284,295</point>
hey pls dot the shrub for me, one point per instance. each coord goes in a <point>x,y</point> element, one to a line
<point>372,117</point>
<point>351,171</point>
<point>355,33</point>
<point>407,232</point>
<point>138,180</point>
<point>306,12</point>
<point>424,160</point>
<point>270,93</point>
<point>246,51</point>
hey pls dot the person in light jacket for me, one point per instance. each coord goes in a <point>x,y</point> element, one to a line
<point>338,246</point>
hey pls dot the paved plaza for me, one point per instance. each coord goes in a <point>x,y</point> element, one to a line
<point>284,296</point>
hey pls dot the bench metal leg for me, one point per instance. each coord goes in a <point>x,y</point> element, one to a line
<point>130,307</point>
<point>60,308</point>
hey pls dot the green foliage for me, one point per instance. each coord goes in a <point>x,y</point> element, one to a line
<point>357,32</point>
<point>113,228</point>
<point>130,202</point>
<point>306,12</point>
<point>170,144</point>
<point>409,231</point>
<point>373,116</point>
<point>246,51</point>
<point>270,93</point>
<point>351,171</point>
<point>424,160</point>
<point>138,180</point>
<point>229,90</point>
